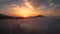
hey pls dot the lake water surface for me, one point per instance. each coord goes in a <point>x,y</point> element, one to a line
<point>41,25</point>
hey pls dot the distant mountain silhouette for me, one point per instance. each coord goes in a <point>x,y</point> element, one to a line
<point>39,16</point>
<point>36,16</point>
<point>5,16</point>
<point>10,17</point>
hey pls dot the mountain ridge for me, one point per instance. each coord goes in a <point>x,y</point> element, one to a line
<point>2,16</point>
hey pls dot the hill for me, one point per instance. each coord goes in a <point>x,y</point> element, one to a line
<point>2,16</point>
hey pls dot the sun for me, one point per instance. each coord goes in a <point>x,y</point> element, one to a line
<point>27,10</point>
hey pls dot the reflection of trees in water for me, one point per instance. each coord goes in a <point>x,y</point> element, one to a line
<point>13,30</point>
<point>16,30</point>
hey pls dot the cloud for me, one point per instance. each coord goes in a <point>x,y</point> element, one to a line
<point>5,0</point>
<point>50,7</point>
<point>57,10</point>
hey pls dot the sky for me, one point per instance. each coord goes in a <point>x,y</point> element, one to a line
<point>46,7</point>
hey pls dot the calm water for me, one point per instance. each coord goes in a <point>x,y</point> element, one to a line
<point>41,25</point>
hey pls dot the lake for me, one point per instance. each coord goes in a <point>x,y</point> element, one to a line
<point>40,25</point>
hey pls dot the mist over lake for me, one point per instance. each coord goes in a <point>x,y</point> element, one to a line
<point>40,25</point>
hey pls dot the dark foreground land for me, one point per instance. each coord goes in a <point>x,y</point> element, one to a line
<point>41,25</point>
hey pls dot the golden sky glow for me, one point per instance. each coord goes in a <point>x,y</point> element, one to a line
<point>26,11</point>
<point>44,7</point>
